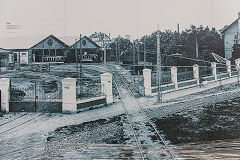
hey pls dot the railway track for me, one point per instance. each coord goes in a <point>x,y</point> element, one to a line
<point>137,117</point>
<point>21,121</point>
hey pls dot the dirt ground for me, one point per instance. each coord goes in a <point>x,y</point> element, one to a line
<point>204,125</point>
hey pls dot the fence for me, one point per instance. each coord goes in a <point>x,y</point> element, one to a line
<point>188,76</point>
<point>35,95</point>
<point>221,68</point>
<point>88,87</point>
<point>35,90</point>
<point>205,71</point>
<point>165,78</point>
<point>184,76</point>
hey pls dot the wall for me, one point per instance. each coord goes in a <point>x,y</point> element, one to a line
<point>230,34</point>
<point>24,57</point>
<point>54,107</point>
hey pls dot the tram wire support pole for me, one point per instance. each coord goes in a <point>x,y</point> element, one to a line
<point>76,56</point>
<point>116,45</point>
<point>42,53</point>
<point>49,59</point>
<point>35,96</point>
<point>144,52</point>
<point>80,69</point>
<point>134,52</point>
<point>119,51</point>
<point>238,70</point>
<point>138,54</point>
<point>159,72</point>
<point>105,53</point>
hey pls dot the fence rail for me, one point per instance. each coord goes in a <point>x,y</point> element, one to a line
<point>183,76</point>
<point>165,78</point>
<point>205,71</point>
<point>38,90</point>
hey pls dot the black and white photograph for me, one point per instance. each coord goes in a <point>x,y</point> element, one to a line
<point>119,80</point>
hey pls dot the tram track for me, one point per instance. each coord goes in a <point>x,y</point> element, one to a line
<point>138,110</point>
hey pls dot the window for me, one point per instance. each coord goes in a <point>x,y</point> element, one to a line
<point>84,42</point>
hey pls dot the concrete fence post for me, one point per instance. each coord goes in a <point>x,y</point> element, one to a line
<point>69,101</point>
<point>5,94</point>
<point>147,82</point>
<point>174,76</point>
<point>196,73</point>
<point>237,63</point>
<point>106,86</point>
<point>10,58</point>
<point>228,64</point>
<point>214,70</point>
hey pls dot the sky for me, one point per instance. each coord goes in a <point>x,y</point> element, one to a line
<point>117,17</point>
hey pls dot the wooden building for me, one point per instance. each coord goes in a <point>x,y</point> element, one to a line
<point>91,52</point>
<point>50,49</point>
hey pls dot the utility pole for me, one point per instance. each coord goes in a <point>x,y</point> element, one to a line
<point>134,53</point>
<point>116,44</point>
<point>80,73</point>
<point>144,52</point>
<point>49,59</point>
<point>138,54</point>
<point>42,53</point>
<point>159,71</point>
<point>105,54</point>
<point>76,57</point>
<point>118,53</point>
<point>178,28</point>
<point>196,48</point>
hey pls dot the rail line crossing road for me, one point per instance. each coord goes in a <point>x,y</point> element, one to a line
<point>141,125</point>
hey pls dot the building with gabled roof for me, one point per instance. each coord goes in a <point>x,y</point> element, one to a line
<point>100,39</point>
<point>91,52</point>
<point>50,49</point>
<point>231,36</point>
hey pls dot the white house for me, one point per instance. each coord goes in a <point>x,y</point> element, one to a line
<point>231,36</point>
<point>100,39</point>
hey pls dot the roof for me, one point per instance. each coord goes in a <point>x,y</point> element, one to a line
<point>26,42</point>
<point>218,58</point>
<point>52,36</point>
<point>87,39</point>
<point>226,28</point>
<point>4,51</point>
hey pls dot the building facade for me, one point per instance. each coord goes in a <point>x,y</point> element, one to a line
<point>4,57</point>
<point>91,52</point>
<point>50,49</point>
<point>100,39</point>
<point>231,36</point>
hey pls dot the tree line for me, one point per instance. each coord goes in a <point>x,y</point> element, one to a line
<point>184,43</point>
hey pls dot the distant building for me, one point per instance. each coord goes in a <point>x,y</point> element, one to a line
<point>49,49</point>
<point>100,38</point>
<point>128,37</point>
<point>231,36</point>
<point>19,47</point>
<point>91,52</point>
<point>20,56</point>
<point>4,57</point>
